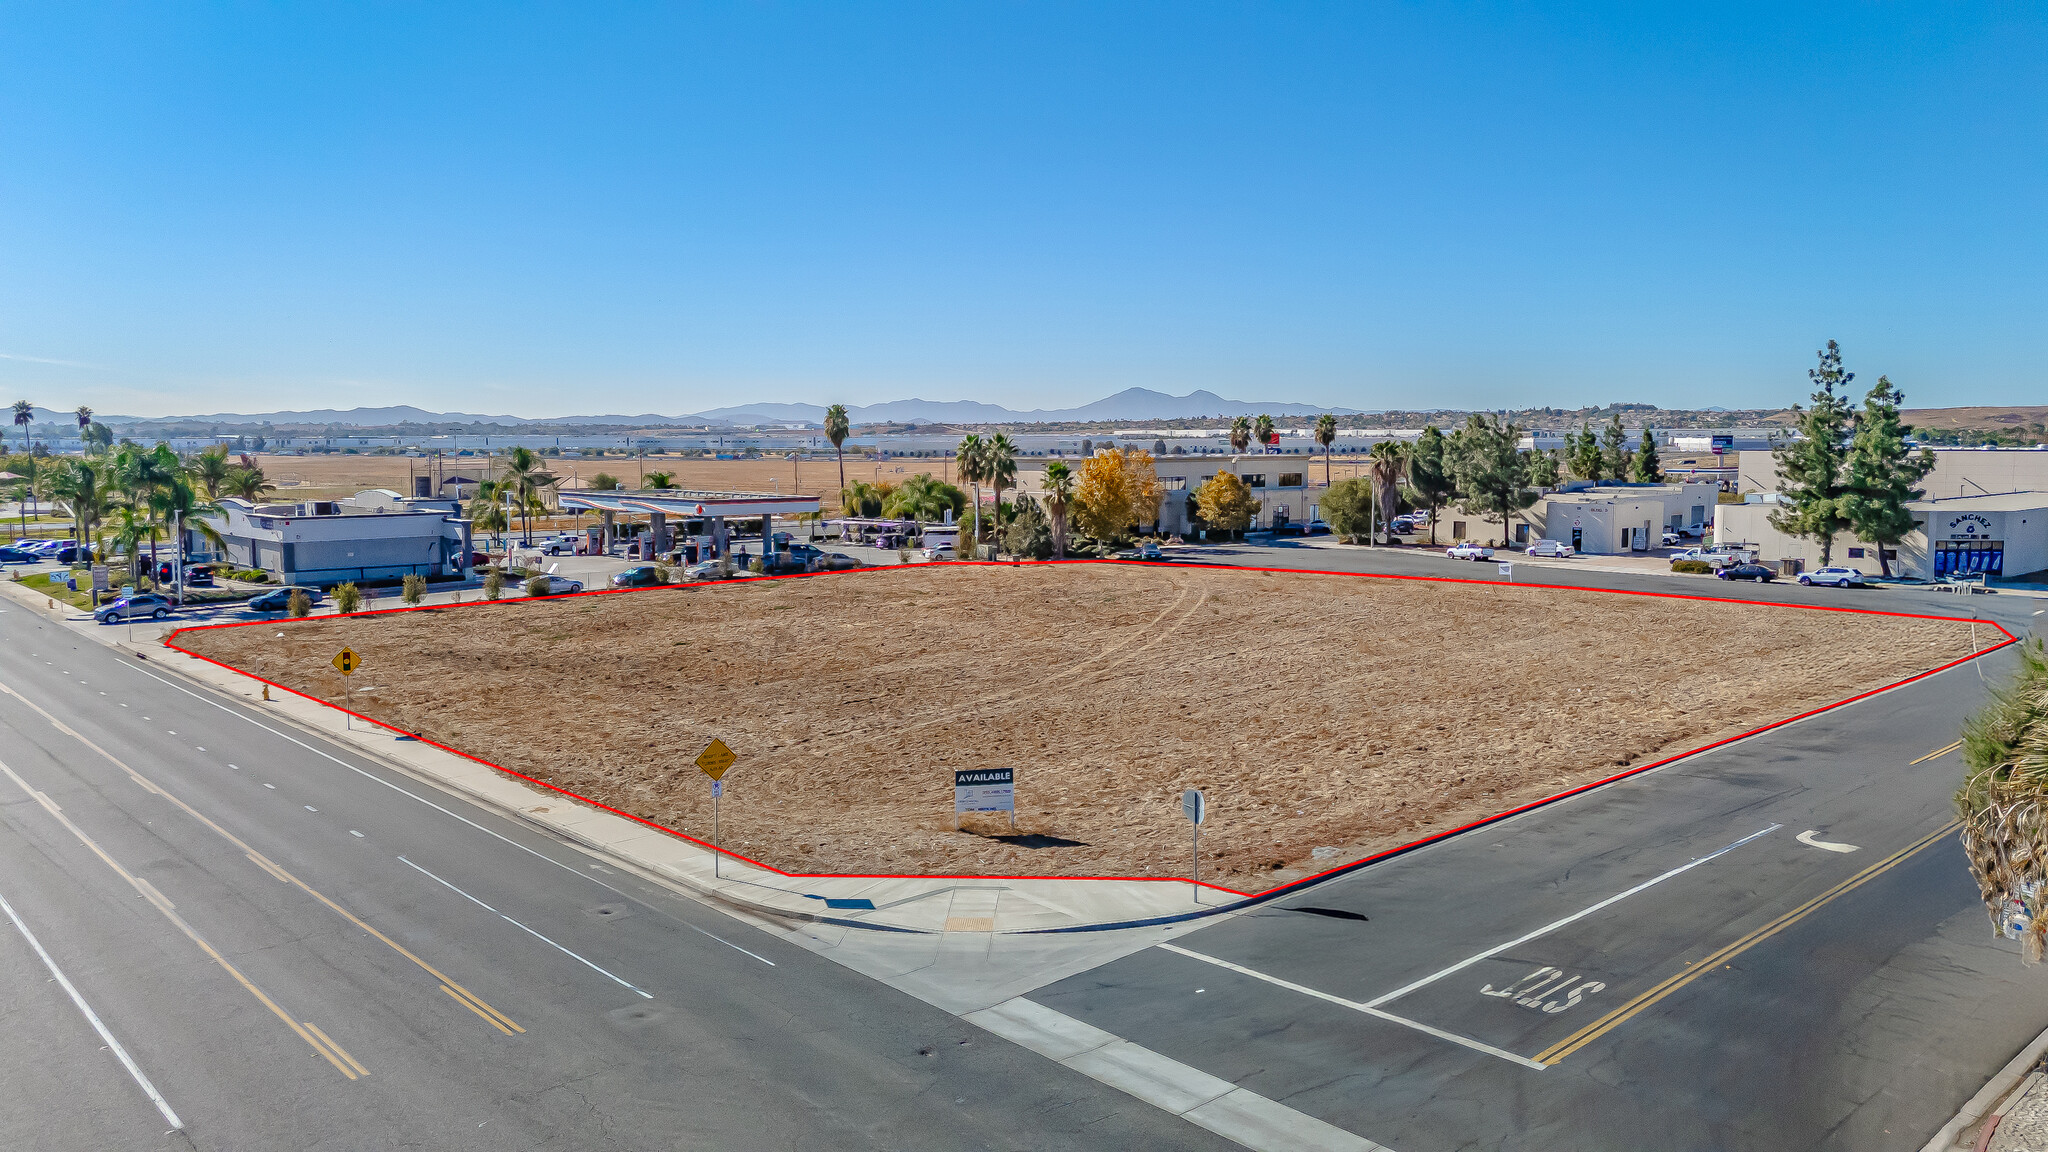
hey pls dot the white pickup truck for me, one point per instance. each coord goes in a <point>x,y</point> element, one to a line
<point>1719,555</point>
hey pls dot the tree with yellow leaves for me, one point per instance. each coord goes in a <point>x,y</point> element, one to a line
<point>1119,490</point>
<point>1226,503</point>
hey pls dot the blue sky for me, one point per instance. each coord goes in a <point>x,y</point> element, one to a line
<point>623,208</point>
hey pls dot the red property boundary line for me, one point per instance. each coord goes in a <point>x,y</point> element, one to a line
<point>1260,896</point>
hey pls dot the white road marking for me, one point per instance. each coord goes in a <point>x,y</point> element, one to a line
<point>353,832</point>
<point>113,1045</point>
<point>509,920</point>
<point>310,808</point>
<point>1808,838</point>
<point>436,807</point>
<point>272,787</point>
<point>236,767</point>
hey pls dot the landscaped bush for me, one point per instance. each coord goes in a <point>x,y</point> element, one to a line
<point>415,588</point>
<point>1693,567</point>
<point>494,584</point>
<point>298,605</point>
<point>347,598</point>
<point>538,586</point>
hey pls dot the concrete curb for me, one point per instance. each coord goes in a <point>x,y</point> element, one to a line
<point>1979,1106</point>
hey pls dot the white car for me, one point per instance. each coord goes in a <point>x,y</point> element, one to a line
<point>1469,551</point>
<point>1550,548</point>
<point>938,552</point>
<point>560,584</point>
<point>1839,577</point>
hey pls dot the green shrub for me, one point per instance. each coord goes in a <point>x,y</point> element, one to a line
<point>347,598</point>
<point>299,604</point>
<point>661,573</point>
<point>537,586</point>
<point>494,584</point>
<point>1693,567</point>
<point>415,588</point>
<point>757,566</point>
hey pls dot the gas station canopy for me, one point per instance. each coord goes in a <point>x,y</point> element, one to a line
<point>689,505</point>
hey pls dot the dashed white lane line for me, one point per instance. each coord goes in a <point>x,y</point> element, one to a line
<point>310,808</point>
<point>1190,1093</point>
<point>507,919</point>
<point>355,833</point>
<point>272,787</point>
<point>92,1017</point>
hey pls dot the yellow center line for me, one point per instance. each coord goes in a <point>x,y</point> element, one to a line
<point>156,900</point>
<point>1941,751</point>
<point>260,860</point>
<point>338,1049</point>
<point>1609,1022</point>
<point>471,1005</point>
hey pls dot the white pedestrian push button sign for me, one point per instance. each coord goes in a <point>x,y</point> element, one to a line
<point>347,661</point>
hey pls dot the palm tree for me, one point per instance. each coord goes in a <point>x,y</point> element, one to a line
<point>1262,431</point>
<point>659,480</point>
<point>924,497</point>
<point>24,415</point>
<point>83,490</point>
<point>1058,491</point>
<point>999,459</point>
<point>2004,800</point>
<point>974,469</point>
<point>837,426</point>
<point>864,498</point>
<point>1388,467</point>
<point>247,481</point>
<point>1326,435</point>
<point>1240,434</point>
<point>211,469</point>
<point>133,526</point>
<point>180,504</point>
<point>141,475</point>
<point>84,421</point>
<point>523,478</point>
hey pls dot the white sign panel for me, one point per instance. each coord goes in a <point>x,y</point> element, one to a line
<point>1194,806</point>
<point>985,790</point>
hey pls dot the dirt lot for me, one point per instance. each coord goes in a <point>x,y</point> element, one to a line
<point>1329,712</point>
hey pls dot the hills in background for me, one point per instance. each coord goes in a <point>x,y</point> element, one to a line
<point>1130,404</point>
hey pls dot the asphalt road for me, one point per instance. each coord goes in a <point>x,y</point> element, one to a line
<point>300,949</point>
<point>1659,963</point>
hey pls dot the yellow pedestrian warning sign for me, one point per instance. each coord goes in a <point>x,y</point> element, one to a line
<point>346,660</point>
<point>715,758</point>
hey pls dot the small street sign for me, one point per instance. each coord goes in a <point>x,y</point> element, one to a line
<point>985,790</point>
<point>715,758</point>
<point>346,660</point>
<point>1507,569</point>
<point>717,789</point>
<point>1194,806</point>
<point>99,577</point>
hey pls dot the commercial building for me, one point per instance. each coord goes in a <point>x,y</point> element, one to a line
<point>1288,488</point>
<point>334,541</point>
<point>1607,519</point>
<point>2002,536</point>
<point>705,515</point>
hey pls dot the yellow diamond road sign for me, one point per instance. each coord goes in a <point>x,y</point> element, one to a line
<point>715,758</point>
<point>346,660</point>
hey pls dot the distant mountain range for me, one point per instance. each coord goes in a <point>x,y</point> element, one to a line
<point>1130,404</point>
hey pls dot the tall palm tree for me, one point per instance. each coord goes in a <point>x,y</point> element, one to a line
<point>1058,490</point>
<point>523,478</point>
<point>132,527</point>
<point>999,458</point>
<point>1240,434</point>
<point>1262,431</point>
<point>182,507</point>
<point>1388,467</point>
<point>82,488</point>
<point>141,476</point>
<point>84,421</point>
<point>837,426</point>
<point>210,468</point>
<point>1326,435</point>
<point>973,455</point>
<point>24,415</point>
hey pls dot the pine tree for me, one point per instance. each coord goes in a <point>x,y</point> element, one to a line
<point>1584,449</point>
<point>1543,472</point>
<point>1614,450</point>
<point>1432,481</point>
<point>1811,477</point>
<point>1646,468</point>
<point>1493,475</point>
<point>1883,473</point>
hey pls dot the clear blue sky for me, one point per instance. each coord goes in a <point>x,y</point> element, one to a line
<point>615,208</point>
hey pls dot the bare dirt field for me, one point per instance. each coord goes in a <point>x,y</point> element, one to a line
<point>1317,711</point>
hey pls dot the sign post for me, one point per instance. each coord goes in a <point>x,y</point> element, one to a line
<point>1196,809</point>
<point>985,790</point>
<point>345,661</point>
<point>1507,569</point>
<point>713,761</point>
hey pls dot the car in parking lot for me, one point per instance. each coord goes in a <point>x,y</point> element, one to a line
<point>1318,527</point>
<point>13,555</point>
<point>1550,548</point>
<point>638,576</point>
<point>1469,551</point>
<point>147,604</point>
<point>199,576</point>
<point>706,570</point>
<point>559,584</point>
<point>1838,577</point>
<point>937,552</point>
<point>1756,572</point>
<point>839,562</point>
<point>279,599</point>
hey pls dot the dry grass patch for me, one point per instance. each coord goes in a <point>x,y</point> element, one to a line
<point>1327,712</point>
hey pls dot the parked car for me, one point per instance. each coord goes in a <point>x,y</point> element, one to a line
<point>1469,551</point>
<point>1288,529</point>
<point>279,599</point>
<point>705,570</point>
<point>558,547</point>
<point>937,552</point>
<point>838,562</point>
<point>199,576</point>
<point>1839,577</point>
<point>129,607</point>
<point>638,576</point>
<point>12,555</point>
<point>1756,572</point>
<point>1399,525</point>
<point>1318,527</point>
<point>560,584</point>
<point>1550,548</point>
<point>799,558</point>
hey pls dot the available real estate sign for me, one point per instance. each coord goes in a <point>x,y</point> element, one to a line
<point>985,790</point>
